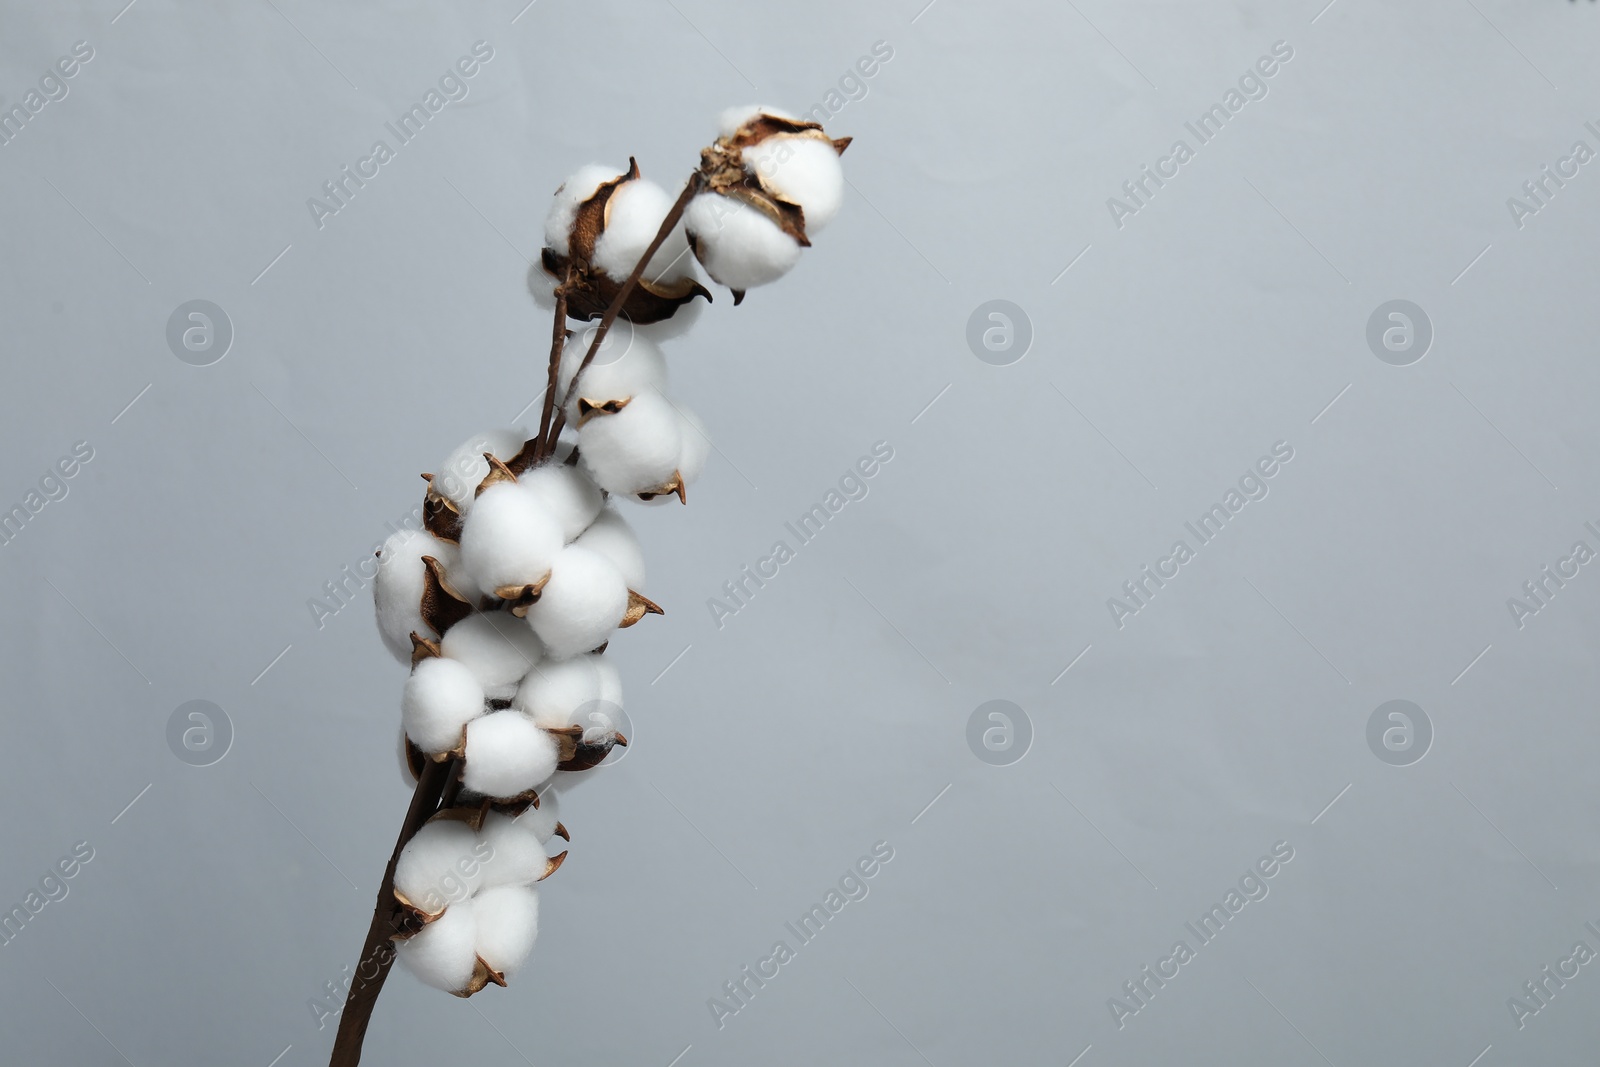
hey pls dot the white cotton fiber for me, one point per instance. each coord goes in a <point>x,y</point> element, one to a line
<point>441,696</point>
<point>634,213</point>
<point>610,682</point>
<point>803,171</point>
<point>497,647</point>
<point>738,245</point>
<point>464,468</point>
<point>516,851</point>
<point>572,193</point>
<point>507,923</point>
<point>440,866</point>
<point>397,587</point>
<point>444,953</point>
<point>541,821</point>
<point>612,537</point>
<point>509,539</point>
<point>581,606</point>
<point>603,716</point>
<point>627,363</point>
<point>566,493</point>
<point>554,690</point>
<point>507,755</point>
<point>696,445</point>
<point>634,451</point>
<point>730,120</point>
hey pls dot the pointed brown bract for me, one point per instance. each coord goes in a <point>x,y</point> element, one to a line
<point>519,598</point>
<point>552,865</point>
<point>442,607</point>
<point>416,759</point>
<point>498,473</point>
<point>476,984</point>
<point>440,516</point>
<point>671,485</point>
<point>639,606</point>
<point>588,408</point>
<point>561,832</point>
<point>423,648</point>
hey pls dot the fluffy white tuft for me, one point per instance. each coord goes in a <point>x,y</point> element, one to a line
<point>516,851</point>
<point>635,450</point>
<point>507,925</point>
<point>541,821</point>
<point>612,537</point>
<point>497,647</point>
<point>582,604</point>
<point>803,171</point>
<point>464,468</point>
<point>572,193</point>
<point>555,690</point>
<point>729,121</point>
<point>738,245</point>
<point>444,953</point>
<point>601,716</point>
<point>566,493</point>
<point>633,215</point>
<point>440,866</point>
<point>441,696</point>
<point>507,755</point>
<point>397,587</point>
<point>509,538</point>
<point>627,363</point>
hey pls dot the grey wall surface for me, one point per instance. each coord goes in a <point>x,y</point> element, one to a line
<point>1440,859</point>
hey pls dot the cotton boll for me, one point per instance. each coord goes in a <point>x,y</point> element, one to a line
<point>441,696</point>
<point>497,647</point>
<point>507,923</point>
<point>444,953</point>
<point>582,604</point>
<point>398,586</point>
<point>803,171</point>
<point>729,122</point>
<point>507,755</point>
<point>458,477</point>
<point>696,445</point>
<point>516,851</point>
<point>612,537</point>
<point>569,197</point>
<point>635,450</point>
<point>554,690</point>
<point>565,493</point>
<point>626,364</point>
<point>509,540</point>
<point>738,245</point>
<point>634,214</point>
<point>440,866</point>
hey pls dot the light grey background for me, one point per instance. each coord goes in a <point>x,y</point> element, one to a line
<point>827,714</point>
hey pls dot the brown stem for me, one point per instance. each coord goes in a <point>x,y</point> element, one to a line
<point>696,180</point>
<point>558,341</point>
<point>363,996</point>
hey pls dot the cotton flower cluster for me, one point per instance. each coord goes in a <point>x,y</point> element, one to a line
<point>466,881</point>
<point>504,604</point>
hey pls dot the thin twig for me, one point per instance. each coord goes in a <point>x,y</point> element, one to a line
<point>558,342</point>
<point>696,180</point>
